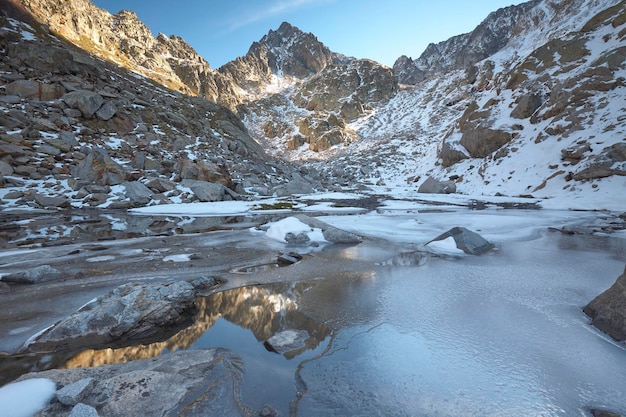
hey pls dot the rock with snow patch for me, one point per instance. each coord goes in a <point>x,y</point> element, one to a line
<point>608,310</point>
<point>36,275</point>
<point>129,314</point>
<point>610,161</point>
<point>526,106</point>
<point>469,242</point>
<point>331,233</point>
<point>202,382</point>
<point>433,186</point>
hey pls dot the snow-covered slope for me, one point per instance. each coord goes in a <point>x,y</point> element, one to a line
<point>544,116</point>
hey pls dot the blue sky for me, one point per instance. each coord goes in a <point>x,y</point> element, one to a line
<point>381,30</point>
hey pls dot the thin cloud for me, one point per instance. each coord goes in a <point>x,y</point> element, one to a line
<point>275,9</point>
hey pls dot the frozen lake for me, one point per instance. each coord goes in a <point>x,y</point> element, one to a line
<point>391,333</point>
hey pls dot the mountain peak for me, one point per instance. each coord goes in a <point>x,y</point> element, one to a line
<point>293,52</point>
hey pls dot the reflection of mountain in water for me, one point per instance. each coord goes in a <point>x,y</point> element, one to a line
<point>264,310</point>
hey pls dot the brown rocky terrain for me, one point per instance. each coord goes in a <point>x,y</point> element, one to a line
<point>79,130</point>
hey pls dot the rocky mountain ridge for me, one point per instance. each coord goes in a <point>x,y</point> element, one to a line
<point>540,117</point>
<point>77,131</point>
<point>475,104</point>
<point>499,29</point>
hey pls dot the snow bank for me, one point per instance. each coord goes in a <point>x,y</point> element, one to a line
<point>277,231</point>
<point>25,398</point>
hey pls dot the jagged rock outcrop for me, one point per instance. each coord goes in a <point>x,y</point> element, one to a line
<point>462,51</point>
<point>130,314</point>
<point>125,40</point>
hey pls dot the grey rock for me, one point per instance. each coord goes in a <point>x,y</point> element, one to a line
<point>52,201</point>
<point>107,111</point>
<point>10,99</point>
<point>287,341</point>
<point>299,239</point>
<point>36,275</point>
<point>160,185</point>
<point>99,168</point>
<point>205,191</point>
<point>433,186</point>
<point>5,168</point>
<point>137,193</point>
<point>469,242</point>
<point>86,101</point>
<point>286,259</point>
<point>295,186</point>
<point>604,164</point>
<point>608,310</point>
<point>482,141</point>
<point>331,233</point>
<point>129,314</point>
<point>48,150</point>
<point>83,410</point>
<point>526,106</point>
<point>187,382</point>
<point>71,394</point>
<point>23,88</point>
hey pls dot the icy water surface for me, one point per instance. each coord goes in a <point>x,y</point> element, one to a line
<point>392,333</point>
<point>498,335</point>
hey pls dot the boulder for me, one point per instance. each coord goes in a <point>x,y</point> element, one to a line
<point>608,162</point>
<point>526,106</point>
<point>331,233</point>
<point>86,101</point>
<point>137,193</point>
<point>469,242</point>
<point>107,111</point>
<point>287,341</point>
<point>295,186</point>
<point>203,171</point>
<point>36,275</point>
<point>433,186</point>
<point>71,394</point>
<point>99,168</point>
<point>608,310</point>
<point>450,155</point>
<point>130,314</point>
<point>160,185</point>
<point>481,142</point>
<point>205,191</point>
<point>83,410</point>
<point>187,382</point>
<point>23,88</point>
<point>5,169</point>
<point>52,201</point>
